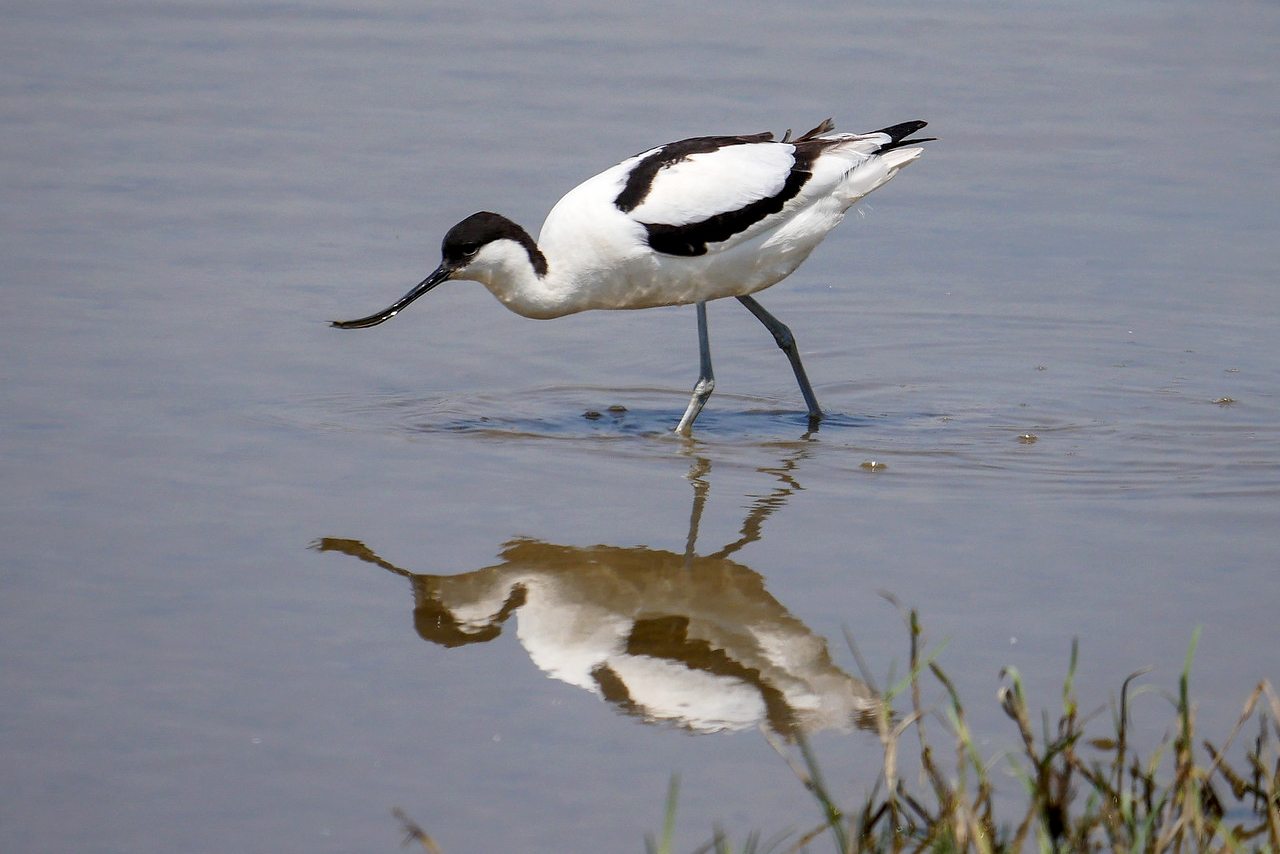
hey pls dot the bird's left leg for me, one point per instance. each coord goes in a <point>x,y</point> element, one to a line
<point>787,342</point>
<point>706,379</point>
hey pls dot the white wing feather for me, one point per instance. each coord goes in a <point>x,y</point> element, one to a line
<point>704,185</point>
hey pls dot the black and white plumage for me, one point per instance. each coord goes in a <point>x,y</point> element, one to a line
<point>687,222</point>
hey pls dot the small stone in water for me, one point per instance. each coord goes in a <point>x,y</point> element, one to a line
<point>592,415</point>
<point>1028,438</point>
<point>875,465</point>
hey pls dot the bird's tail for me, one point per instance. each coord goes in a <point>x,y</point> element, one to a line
<point>872,158</point>
<point>892,145</point>
<point>896,158</point>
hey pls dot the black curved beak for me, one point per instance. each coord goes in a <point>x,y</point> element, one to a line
<point>441,274</point>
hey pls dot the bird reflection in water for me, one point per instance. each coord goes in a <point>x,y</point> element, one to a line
<point>685,639</point>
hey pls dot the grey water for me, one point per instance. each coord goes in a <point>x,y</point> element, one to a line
<point>263,581</point>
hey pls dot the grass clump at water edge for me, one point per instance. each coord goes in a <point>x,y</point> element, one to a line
<point>1082,793</point>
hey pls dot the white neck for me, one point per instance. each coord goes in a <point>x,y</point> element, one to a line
<point>504,267</point>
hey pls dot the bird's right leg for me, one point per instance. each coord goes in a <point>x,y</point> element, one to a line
<point>787,342</point>
<point>706,379</point>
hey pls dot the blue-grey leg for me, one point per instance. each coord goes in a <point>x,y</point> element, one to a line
<point>787,342</point>
<point>706,380</point>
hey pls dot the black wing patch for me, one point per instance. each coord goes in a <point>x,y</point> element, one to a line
<point>692,238</point>
<point>641,178</point>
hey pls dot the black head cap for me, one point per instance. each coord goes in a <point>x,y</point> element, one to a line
<point>464,240</point>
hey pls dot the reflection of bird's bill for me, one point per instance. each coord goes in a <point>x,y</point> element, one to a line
<point>357,550</point>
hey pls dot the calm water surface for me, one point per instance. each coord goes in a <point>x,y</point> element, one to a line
<point>263,581</point>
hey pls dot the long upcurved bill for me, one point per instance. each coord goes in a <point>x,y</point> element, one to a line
<point>442,273</point>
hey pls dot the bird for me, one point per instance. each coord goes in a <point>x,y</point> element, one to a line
<point>691,221</point>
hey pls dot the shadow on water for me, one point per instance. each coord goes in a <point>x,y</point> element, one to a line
<point>690,640</point>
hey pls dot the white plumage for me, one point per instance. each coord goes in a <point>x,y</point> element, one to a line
<point>688,222</point>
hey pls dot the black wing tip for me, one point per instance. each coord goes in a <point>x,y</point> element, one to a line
<point>898,134</point>
<point>903,130</point>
